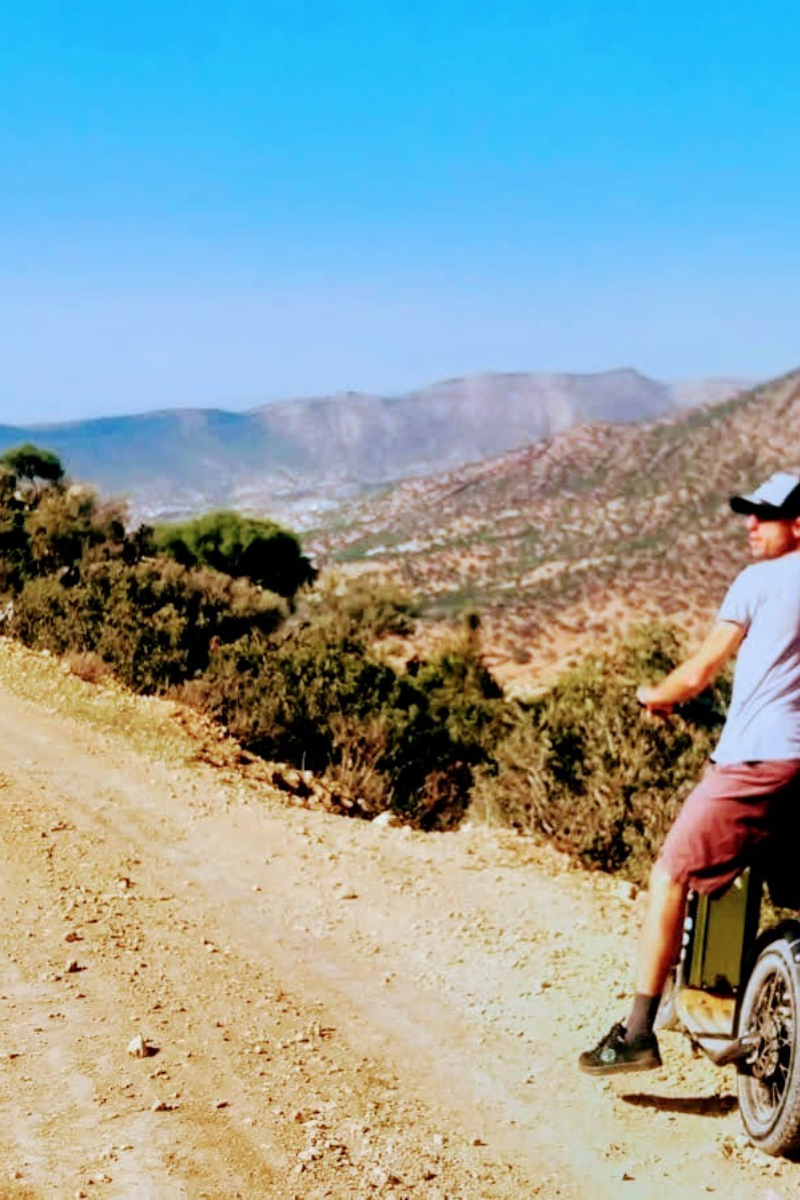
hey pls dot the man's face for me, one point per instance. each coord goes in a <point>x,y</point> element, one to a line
<point>771,539</point>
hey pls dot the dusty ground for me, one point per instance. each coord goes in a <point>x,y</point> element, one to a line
<point>333,1008</point>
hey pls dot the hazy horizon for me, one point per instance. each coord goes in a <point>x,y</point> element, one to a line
<point>245,406</point>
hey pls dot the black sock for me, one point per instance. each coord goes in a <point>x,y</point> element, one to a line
<point>643,1015</point>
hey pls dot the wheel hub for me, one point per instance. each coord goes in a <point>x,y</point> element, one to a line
<point>766,1057</point>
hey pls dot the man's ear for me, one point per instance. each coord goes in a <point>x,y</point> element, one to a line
<point>796,530</point>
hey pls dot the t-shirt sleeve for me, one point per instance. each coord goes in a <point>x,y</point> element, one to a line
<point>740,601</point>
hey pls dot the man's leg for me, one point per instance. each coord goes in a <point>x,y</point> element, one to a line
<point>633,1046</point>
<point>659,944</point>
<point>662,928</point>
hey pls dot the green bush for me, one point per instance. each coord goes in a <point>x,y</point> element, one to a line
<point>66,524</point>
<point>14,549</point>
<point>156,623</point>
<point>446,719</point>
<point>280,696</point>
<point>318,697</point>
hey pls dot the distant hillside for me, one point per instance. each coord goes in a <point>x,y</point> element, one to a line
<point>562,543</point>
<point>295,458</point>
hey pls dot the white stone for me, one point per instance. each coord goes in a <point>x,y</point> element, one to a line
<point>138,1047</point>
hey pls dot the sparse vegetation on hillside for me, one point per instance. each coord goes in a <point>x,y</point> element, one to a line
<point>565,542</point>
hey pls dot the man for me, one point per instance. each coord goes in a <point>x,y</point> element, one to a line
<point>754,769</point>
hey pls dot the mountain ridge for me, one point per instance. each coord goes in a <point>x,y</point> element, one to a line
<point>563,543</point>
<point>287,457</point>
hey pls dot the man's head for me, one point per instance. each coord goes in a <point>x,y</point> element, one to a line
<point>772,514</point>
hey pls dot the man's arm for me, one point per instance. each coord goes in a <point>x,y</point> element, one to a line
<point>695,674</point>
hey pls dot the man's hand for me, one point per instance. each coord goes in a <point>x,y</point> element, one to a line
<point>646,696</point>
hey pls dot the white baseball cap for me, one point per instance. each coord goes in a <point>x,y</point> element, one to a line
<point>775,500</point>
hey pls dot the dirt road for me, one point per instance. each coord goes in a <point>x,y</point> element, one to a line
<point>332,1008</point>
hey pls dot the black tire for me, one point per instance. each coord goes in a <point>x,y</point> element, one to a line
<point>769,1082</point>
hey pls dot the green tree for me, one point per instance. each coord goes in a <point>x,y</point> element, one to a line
<point>239,546</point>
<point>33,465</point>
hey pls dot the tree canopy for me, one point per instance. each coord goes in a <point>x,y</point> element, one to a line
<point>239,546</point>
<point>33,464</point>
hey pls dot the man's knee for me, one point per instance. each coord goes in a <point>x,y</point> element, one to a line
<point>664,889</point>
<point>662,877</point>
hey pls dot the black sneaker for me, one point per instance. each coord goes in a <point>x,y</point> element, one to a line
<point>613,1054</point>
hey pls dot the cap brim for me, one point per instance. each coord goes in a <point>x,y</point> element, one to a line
<point>746,508</point>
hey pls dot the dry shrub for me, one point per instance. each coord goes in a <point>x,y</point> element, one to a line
<point>88,665</point>
<point>355,776</point>
<point>445,795</point>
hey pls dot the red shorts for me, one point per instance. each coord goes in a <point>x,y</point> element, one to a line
<point>736,813</point>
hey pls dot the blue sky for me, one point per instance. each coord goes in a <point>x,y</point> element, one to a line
<point>225,204</point>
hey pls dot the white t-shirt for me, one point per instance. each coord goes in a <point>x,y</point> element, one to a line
<point>764,716</point>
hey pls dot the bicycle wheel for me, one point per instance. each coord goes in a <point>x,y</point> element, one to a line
<point>769,1083</point>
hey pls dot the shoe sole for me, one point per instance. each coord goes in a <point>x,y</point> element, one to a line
<point>651,1064</point>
